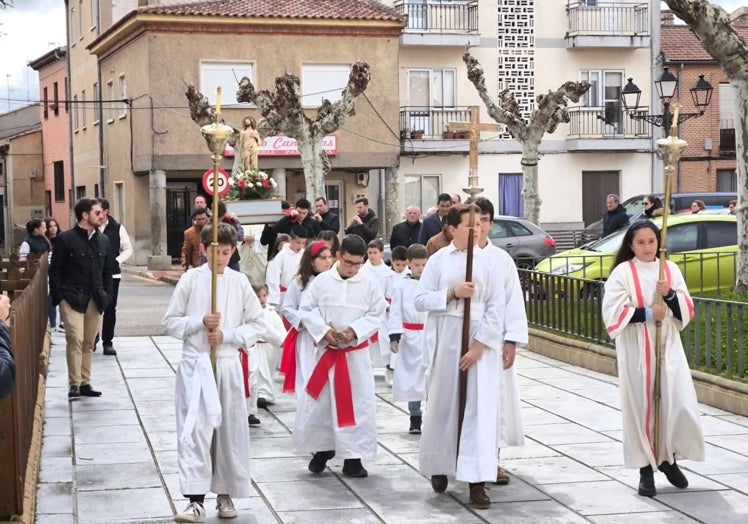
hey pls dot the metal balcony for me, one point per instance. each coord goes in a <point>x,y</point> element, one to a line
<point>606,129</point>
<point>444,24</point>
<point>727,138</point>
<point>425,129</point>
<point>602,24</point>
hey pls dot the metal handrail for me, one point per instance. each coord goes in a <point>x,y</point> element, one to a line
<point>608,19</point>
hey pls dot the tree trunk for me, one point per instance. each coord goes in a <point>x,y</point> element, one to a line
<point>392,200</point>
<point>741,139</point>
<point>312,160</point>
<point>530,193</point>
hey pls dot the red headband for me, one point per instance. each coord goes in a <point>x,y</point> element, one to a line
<point>317,247</point>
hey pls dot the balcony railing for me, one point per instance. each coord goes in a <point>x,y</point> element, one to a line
<point>432,121</point>
<point>459,17</point>
<point>608,19</point>
<point>605,122</point>
<point>726,138</point>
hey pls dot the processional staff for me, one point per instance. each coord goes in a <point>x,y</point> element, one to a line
<point>475,127</point>
<point>216,135</point>
<point>672,148</point>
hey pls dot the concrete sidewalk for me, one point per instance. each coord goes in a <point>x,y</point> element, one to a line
<point>113,459</point>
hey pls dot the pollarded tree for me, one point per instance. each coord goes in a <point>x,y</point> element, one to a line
<point>549,112</point>
<point>282,113</point>
<point>712,26</point>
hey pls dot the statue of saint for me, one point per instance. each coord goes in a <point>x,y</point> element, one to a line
<point>249,143</point>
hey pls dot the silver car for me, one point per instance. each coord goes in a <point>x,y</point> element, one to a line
<point>524,241</point>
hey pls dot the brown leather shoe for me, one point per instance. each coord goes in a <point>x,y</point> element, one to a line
<point>502,477</point>
<point>439,483</point>
<point>479,496</point>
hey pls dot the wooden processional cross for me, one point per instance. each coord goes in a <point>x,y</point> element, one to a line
<point>475,128</point>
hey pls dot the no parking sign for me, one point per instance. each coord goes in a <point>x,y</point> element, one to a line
<point>223,182</point>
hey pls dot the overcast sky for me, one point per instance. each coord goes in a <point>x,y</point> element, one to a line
<point>32,27</point>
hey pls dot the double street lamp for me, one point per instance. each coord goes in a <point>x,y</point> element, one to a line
<point>666,85</point>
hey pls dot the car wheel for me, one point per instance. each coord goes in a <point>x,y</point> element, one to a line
<point>525,264</point>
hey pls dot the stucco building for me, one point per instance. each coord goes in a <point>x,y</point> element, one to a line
<point>55,126</point>
<point>529,51</point>
<point>154,154</point>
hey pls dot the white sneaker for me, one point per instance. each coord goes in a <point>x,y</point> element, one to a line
<point>388,375</point>
<point>225,507</point>
<point>194,512</point>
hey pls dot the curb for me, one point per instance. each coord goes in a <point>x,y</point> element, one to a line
<point>155,276</point>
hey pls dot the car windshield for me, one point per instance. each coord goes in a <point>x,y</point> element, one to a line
<point>633,205</point>
<point>610,243</point>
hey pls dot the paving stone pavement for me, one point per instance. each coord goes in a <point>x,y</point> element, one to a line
<point>113,459</point>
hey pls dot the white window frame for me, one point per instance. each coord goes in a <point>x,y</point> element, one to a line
<point>73,18</point>
<point>425,201</point>
<point>320,81</point>
<point>600,86</point>
<point>122,87</point>
<point>110,101</point>
<point>119,201</point>
<point>80,19</point>
<point>431,72</point>
<point>94,14</point>
<point>97,104</point>
<point>84,119</point>
<point>225,74</point>
<point>75,113</point>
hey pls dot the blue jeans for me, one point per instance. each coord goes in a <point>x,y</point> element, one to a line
<point>415,408</point>
<point>52,313</point>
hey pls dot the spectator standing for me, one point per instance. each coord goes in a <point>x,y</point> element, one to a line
<point>191,245</point>
<point>731,206</point>
<point>406,233</point>
<point>364,223</point>
<point>326,219</point>
<point>7,364</point>
<point>120,250</point>
<point>53,229</point>
<point>652,206</point>
<point>615,218</point>
<point>82,286</point>
<point>697,206</point>
<point>433,225</point>
<point>37,241</point>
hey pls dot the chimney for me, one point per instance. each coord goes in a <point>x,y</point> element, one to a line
<point>667,17</point>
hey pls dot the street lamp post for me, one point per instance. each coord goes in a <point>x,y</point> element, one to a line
<point>666,85</point>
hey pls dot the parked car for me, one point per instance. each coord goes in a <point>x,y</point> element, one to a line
<point>524,241</point>
<point>679,203</point>
<point>704,246</point>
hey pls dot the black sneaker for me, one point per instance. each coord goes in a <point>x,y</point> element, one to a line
<point>319,461</point>
<point>415,425</point>
<point>263,403</point>
<point>354,468</point>
<point>87,391</point>
<point>674,475</point>
<point>253,421</point>
<point>646,482</point>
<point>74,391</point>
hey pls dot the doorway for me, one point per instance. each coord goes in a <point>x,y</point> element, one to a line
<point>596,185</point>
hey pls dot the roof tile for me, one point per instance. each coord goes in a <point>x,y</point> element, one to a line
<point>305,9</point>
<point>680,44</point>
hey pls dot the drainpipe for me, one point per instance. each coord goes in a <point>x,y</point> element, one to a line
<point>68,89</point>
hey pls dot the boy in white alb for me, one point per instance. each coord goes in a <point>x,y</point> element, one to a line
<point>399,262</point>
<point>341,309</point>
<point>383,275</point>
<point>262,354</point>
<point>209,400</point>
<point>406,339</point>
<point>511,432</point>
<point>284,267</point>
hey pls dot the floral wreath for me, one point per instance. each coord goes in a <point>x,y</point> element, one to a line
<point>250,184</point>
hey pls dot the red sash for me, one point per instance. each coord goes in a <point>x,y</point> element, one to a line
<point>413,327</point>
<point>244,360</point>
<point>282,288</point>
<point>288,361</point>
<point>343,395</point>
<point>374,338</point>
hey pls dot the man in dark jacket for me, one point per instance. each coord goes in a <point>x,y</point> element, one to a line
<point>406,233</point>
<point>80,281</point>
<point>616,217</point>
<point>364,223</point>
<point>7,364</point>
<point>299,215</point>
<point>432,224</point>
<point>326,219</point>
<point>120,250</point>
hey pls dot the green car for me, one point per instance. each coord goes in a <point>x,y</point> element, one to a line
<point>704,247</point>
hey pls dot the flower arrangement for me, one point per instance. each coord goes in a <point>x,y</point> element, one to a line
<point>250,184</point>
